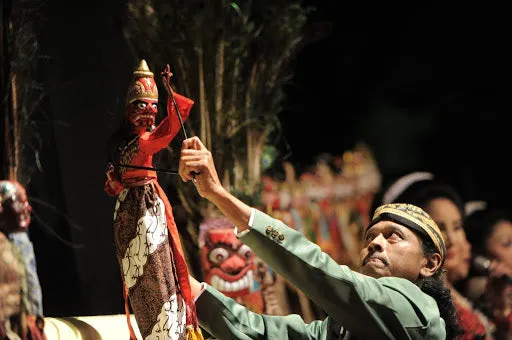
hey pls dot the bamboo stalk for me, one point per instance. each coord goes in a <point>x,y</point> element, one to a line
<point>249,136</point>
<point>205,131</point>
<point>16,131</point>
<point>219,84</point>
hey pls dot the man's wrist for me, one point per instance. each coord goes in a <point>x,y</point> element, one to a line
<point>203,288</point>
<point>249,225</point>
<point>217,195</point>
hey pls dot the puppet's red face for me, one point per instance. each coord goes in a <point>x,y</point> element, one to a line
<point>142,113</point>
<point>228,263</point>
<point>142,99</point>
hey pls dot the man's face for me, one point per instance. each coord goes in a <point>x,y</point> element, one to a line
<point>391,249</point>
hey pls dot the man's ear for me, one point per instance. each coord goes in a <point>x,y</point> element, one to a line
<point>431,265</point>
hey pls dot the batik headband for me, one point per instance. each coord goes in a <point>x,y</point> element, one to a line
<point>412,217</point>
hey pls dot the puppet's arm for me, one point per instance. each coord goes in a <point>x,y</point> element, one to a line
<point>170,125</point>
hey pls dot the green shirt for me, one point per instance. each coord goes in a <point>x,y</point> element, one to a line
<point>358,306</point>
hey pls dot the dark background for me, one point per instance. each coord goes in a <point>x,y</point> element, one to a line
<point>427,88</point>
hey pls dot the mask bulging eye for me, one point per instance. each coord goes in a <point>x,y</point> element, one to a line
<point>218,255</point>
<point>154,106</point>
<point>141,105</point>
<point>245,252</point>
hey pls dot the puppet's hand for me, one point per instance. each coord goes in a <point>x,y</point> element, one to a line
<point>112,186</point>
<point>110,172</point>
<point>166,79</point>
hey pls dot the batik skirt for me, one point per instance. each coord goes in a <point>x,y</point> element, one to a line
<point>146,260</point>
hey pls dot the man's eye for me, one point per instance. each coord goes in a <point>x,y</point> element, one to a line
<point>141,105</point>
<point>154,106</point>
<point>396,235</point>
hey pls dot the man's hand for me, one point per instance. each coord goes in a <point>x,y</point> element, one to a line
<point>196,164</point>
<point>195,286</point>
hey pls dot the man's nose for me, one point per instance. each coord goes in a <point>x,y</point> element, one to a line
<point>377,244</point>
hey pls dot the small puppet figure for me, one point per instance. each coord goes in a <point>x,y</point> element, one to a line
<point>21,303</point>
<point>148,246</point>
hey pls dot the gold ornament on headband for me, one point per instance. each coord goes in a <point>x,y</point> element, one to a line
<point>143,86</point>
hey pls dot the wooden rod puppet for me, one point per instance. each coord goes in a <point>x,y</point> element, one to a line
<point>148,246</point>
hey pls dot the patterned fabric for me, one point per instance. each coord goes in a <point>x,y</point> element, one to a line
<point>24,250</point>
<point>144,253</point>
<point>11,275</point>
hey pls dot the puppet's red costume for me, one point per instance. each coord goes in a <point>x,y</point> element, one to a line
<point>148,247</point>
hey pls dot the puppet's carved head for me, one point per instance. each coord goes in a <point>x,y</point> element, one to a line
<point>142,98</point>
<point>15,209</point>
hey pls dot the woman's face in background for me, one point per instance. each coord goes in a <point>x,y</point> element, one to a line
<point>458,250</point>
<point>499,243</point>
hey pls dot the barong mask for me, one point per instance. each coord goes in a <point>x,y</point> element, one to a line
<point>227,262</point>
<point>142,98</point>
